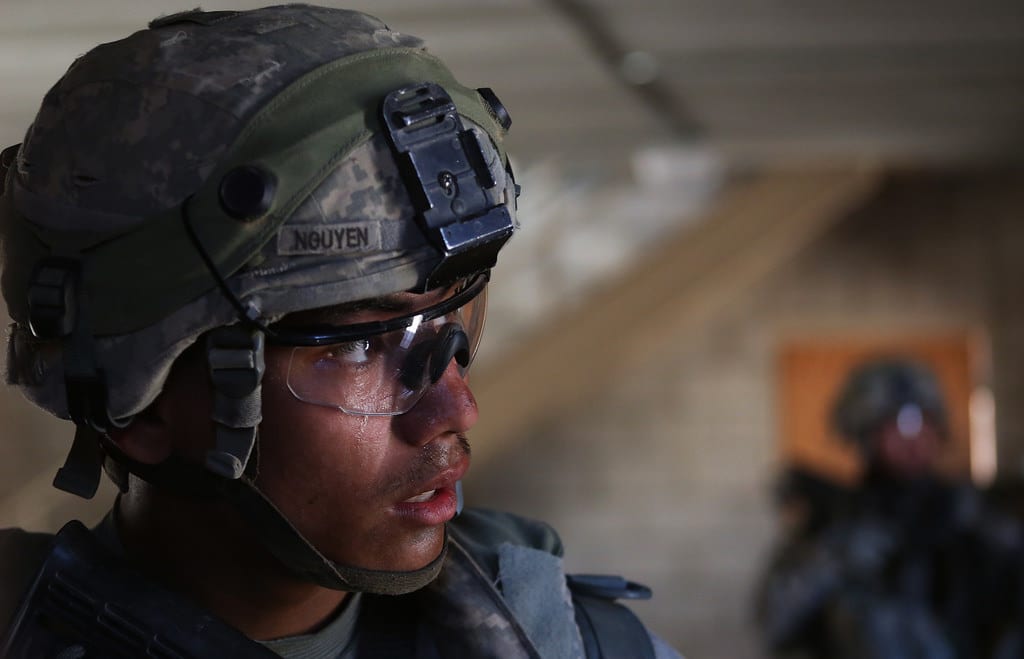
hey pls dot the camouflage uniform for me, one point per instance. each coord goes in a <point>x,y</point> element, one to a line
<point>501,593</point>
<point>896,568</point>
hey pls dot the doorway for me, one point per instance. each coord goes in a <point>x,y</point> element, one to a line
<point>812,372</point>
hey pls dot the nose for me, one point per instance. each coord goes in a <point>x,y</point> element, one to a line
<point>447,407</point>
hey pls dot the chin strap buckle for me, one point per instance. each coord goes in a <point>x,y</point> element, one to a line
<point>53,298</point>
<point>235,357</point>
<point>80,474</point>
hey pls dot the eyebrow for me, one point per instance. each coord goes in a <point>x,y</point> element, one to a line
<point>334,315</point>
<point>383,303</point>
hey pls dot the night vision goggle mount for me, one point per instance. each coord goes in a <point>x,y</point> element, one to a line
<point>447,177</point>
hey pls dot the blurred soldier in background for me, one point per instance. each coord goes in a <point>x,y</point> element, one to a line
<point>247,253</point>
<point>905,566</point>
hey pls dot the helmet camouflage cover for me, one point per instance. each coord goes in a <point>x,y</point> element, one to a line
<point>263,130</point>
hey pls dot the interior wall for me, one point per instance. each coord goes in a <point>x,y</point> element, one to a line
<point>665,477</point>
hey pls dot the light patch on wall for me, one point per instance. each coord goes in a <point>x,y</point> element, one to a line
<point>983,436</point>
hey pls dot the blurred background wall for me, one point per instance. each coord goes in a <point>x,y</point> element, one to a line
<point>710,188</point>
<point>664,471</point>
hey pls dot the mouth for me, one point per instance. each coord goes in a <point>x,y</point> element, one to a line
<point>444,480</point>
<point>422,497</point>
<point>436,501</point>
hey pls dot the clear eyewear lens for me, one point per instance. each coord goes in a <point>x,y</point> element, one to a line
<point>386,374</point>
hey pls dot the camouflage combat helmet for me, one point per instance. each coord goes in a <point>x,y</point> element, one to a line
<point>879,390</point>
<point>207,176</point>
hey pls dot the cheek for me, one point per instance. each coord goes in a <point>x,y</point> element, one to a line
<point>316,449</point>
<point>187,402</point>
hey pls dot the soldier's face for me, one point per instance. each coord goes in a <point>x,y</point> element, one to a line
<point>369,491</point>
<point>908,454</point>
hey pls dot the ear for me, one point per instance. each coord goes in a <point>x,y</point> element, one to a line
<point>147,438</point>
<point>178,421</point>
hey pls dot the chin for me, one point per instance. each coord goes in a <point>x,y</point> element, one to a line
<point>420,554</point>
<point>401,555</point>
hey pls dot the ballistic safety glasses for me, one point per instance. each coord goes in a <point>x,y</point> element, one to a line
<point>383,368</point>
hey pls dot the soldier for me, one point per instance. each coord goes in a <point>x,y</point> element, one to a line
<point>905,566</point>
<point>247,252</point>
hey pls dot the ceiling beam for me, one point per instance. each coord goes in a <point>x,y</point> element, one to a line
<point>613,52</point>
<point>757,226</point>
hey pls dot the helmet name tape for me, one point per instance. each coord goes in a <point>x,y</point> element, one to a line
<point>299,239</point>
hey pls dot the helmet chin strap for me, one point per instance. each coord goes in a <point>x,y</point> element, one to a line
<point>289,546</point>
<point>276,532</point>
<point>278,535</point>
<point>235,357</point>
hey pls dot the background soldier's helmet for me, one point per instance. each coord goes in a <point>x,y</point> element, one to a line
<point>878,391</point>
<point>225,169</point>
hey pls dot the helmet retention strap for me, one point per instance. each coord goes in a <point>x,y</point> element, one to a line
<point>58,311</point>
<point>288,545</point>
<point>234,355</point>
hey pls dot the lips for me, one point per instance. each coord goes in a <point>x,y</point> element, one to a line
<point>445,479</point>
<point>435,501</point>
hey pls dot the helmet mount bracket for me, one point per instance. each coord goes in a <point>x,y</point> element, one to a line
<point>447,177</point>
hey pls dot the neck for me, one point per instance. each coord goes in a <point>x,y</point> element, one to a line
<point>201,549</point>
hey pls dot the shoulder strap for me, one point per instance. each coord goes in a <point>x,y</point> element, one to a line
<point>481,532</point>
<point>609,629</point>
